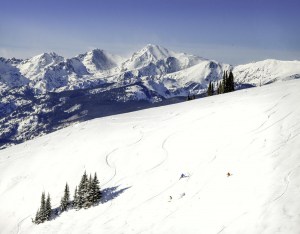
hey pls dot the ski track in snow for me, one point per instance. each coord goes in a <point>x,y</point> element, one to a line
<point>268,203</point>
<point>20,223</point>
<point>231,222</point>
<point>166,152</point>
<point>287,182</point>
<point>278,121</point>
<point>269,115</point>
<point>107,157</point>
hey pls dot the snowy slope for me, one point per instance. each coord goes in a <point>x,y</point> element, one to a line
<point>267,71</point>
<point>139,157</point>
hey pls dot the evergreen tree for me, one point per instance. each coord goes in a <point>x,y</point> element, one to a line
<point>42,212</point>
<point>223,83</point>
<point>76,199</point>
<point>37,218</point>
<point>83,191</point>
<point>212,89</point>
<point>209,89</point>
<point>89,201</point>
<point>231,81</point>
<point>96,193</point>
<point>48,209</point>
<point>226,88</point>
<point>65,201</point>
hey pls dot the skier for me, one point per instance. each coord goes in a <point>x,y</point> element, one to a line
<point>183,176</point>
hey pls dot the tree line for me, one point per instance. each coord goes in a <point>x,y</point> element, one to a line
<point>224,86</point>
<point>86,194</point>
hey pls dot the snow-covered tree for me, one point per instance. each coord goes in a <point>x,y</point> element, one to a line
<point>96,193</point>
<point>48,208</point>
<point>83,192</point>
<point>37,218</point>
<point>76,199</point>
<point>43,216</point>
<point>44,212</point>
<point>65,201</point>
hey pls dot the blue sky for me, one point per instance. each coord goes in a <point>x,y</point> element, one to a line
<point>231,31</point>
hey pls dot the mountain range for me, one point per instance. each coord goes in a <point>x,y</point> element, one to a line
<point>47,92</point>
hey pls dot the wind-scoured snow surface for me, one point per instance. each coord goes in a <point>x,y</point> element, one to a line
<point>139,157</point>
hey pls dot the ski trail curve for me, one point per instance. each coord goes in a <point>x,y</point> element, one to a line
<point>108,156</point>
<point>163,147</point>
<point>287,183</point>
<point>20,223</point>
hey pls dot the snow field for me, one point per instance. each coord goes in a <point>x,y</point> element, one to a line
<point>254,134</point>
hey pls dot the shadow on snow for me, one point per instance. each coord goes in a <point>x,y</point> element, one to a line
<point>107,195</point>
<point>111,193</point>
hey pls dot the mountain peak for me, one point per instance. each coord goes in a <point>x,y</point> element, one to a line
<point>99,60</point>
<point>47,55</point>
<point>46,58</point>
<point>155,51</point>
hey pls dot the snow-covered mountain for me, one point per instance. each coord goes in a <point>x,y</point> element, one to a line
<point>51,72</point>
<point>176,73</point>
<point>99,60</point>
<point>35,68</point>
<point>139,158</point>
<point>170,73</point>
<point>10,76</point>
<point>42,89</point>
<point>156,60</point>
<point>267,71</point>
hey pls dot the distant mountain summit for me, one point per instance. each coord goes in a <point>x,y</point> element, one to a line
<point>156,60</point>
<point>35,67</point>
<point>99,60</point>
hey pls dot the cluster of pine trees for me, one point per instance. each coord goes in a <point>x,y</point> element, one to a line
<point>87,194</point>
<point>225,86</point>
<point>45,210</point>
